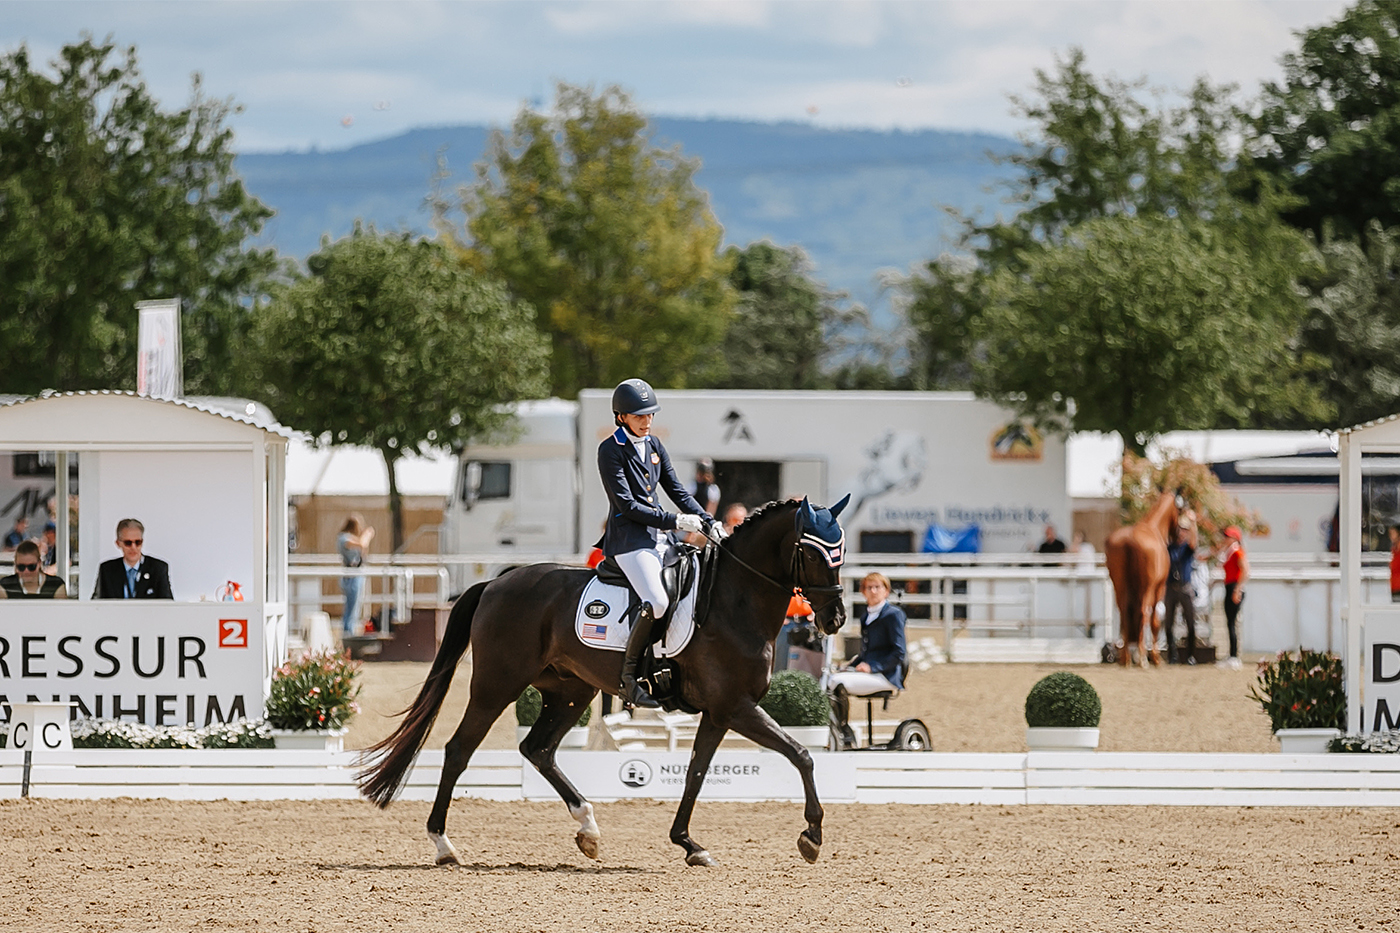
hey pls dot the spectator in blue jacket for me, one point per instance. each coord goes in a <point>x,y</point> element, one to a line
<point>880,664</point>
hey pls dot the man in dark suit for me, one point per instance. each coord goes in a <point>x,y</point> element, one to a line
<point>133,575</point>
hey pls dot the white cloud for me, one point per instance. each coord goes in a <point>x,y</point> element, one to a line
<point>299,67</point>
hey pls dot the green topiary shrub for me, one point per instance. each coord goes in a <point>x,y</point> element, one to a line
<point>1306,692</point>
<point>795,698</point>
<point>1064,700</point>
<point>529,704</point>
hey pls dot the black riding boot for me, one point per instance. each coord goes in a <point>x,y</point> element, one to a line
<point>637,641</point>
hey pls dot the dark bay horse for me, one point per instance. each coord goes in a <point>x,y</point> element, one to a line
<point>520,628</point>
<point>1136,557</point>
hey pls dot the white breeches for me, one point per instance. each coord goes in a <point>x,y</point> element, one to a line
<point>643,570</point>
<point>859,683</point>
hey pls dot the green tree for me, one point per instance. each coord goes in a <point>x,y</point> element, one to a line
<point>1141,325</point>
<point>1330,132</point>
<point>106,200</point>
<point>1354,323</point>
<point>1100,151</point>
<point>392,343</point>
<point>777,338</point>
<point>606,234</point>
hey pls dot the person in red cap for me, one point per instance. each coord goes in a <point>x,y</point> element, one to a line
<point>1236,565</point>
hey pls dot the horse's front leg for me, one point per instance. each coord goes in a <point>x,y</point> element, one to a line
<point>753,723</point>
<point>707,739</point>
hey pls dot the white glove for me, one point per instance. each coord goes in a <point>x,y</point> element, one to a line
<point>717,533</point>
<point>690,524</point>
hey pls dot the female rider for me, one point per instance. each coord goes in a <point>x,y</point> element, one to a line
<point>635,470</point>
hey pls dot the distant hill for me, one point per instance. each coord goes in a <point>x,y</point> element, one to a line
<point>858,201</point>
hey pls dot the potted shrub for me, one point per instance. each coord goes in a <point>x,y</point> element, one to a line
<point>797,703</point>
<point>527,710</point>
<point>312,698</point>
<point>1062,714</point>
<point>1305,699</point>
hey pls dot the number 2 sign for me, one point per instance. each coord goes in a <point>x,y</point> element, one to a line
<point>233,633</point>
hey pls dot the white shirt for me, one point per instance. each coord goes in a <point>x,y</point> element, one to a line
<point>871,611</point>
<point>638,443</point>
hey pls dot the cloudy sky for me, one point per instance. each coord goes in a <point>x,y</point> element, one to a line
<point>332,74</point>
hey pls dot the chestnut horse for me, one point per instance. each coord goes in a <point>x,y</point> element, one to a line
<point>1136,556</point>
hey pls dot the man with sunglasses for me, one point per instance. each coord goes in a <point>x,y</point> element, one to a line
<point>133,575</point>
<point>29,581</point>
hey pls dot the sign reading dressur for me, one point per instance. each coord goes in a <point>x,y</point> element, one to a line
<point>152,662</point>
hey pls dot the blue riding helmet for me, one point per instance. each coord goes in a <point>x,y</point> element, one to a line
<point>634,397</point>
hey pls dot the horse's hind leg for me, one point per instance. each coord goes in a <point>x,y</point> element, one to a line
<point>753,723</point>
<point>1156,654</point>
<point>707,739</point>
<point>456,754</point>
<point>561,710</point>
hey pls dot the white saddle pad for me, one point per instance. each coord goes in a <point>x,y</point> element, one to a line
<point>601,619</point>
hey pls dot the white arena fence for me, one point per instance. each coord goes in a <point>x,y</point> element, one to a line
<point>977,607</point>
<point>1069,778</point>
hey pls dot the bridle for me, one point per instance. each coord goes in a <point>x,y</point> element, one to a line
<point>832,553</point>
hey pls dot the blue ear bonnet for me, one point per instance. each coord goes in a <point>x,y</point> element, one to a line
<point>819,529</point>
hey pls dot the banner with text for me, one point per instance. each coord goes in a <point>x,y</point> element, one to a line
<point>147,661</point>
<point>733,775</point>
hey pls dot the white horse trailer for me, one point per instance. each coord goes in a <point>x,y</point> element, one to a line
<point>909,459</point>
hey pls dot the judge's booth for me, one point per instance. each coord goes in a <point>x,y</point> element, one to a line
<point>1370,618</point>
<point>206,477</point>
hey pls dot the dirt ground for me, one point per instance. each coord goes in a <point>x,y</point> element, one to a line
<point>128,865</point>
<point>967,707</point>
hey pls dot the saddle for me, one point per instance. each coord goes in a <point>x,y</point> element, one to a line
<point>676,577</point>
<point>678,573</point>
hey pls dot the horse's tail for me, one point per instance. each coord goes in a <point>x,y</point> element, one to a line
<point>388,760</point>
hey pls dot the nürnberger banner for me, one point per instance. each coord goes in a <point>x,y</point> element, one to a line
<point>154,662</point>
<point>732,775</point>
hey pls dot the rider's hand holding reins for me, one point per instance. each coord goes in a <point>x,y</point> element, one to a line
<point>690,524</point>
<point>716,532</point>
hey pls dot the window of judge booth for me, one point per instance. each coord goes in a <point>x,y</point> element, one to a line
<point>28,490</point>
<point>199,509</point>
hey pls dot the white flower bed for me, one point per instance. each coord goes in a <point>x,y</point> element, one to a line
<point>107,733</point>
<point>1385,743</point>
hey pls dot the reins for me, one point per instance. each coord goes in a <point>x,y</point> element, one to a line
<point>835,589</point>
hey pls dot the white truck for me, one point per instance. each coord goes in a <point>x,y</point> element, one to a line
<point>909,460</point>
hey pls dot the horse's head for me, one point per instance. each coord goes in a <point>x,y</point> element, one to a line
<point>816,562</point>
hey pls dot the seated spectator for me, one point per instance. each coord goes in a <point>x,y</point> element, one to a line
<point>17,534</point>
<point>29,581</point>
<point>50,546</point>
<point>880,664</point>
<point>133,575</point>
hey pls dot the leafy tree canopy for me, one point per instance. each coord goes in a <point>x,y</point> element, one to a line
<point>106,200</point>
<point>1142,325</point>
<point>604,232</point>
<point>392,343</point>
<point>1134,292</point>
<point>778,335</point>
<point>1330,132</point>
<point>1354,323</point>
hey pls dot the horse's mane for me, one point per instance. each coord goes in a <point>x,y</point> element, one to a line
<point>747,525</point>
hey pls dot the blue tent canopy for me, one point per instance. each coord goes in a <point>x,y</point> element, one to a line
<point>941,540</point>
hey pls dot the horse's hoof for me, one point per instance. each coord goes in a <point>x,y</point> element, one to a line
<point>702,859</point>
<point>588,845</point>
<point>446,851</point>
<point>809,849</point>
